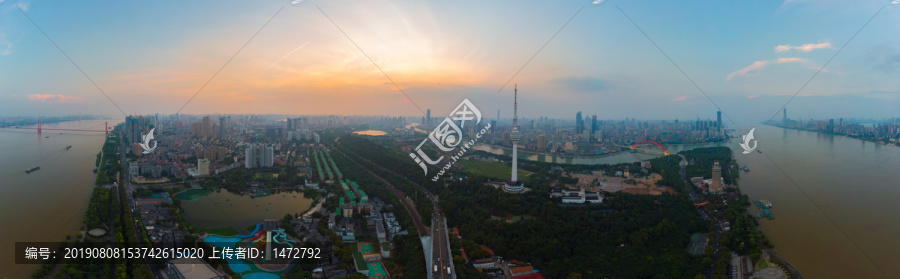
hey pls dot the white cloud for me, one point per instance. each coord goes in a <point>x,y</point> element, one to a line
<point>762,64</point>
<point>804,47</point>
<point>755,66</point>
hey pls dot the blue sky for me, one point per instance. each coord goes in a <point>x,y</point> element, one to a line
<point>748,56</point>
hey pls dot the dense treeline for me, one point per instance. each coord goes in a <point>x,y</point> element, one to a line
<point>401,171</point>
<point>629,236</point>
<point>562,240</point>
<point>406,259</point>
<point>109,166</point>
<point>703,159</point>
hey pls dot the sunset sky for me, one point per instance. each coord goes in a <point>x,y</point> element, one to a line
<point>748,56</point>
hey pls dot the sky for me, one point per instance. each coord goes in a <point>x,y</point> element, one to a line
<point>747,58</point>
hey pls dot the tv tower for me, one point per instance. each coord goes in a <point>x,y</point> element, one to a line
<point>514,184</point>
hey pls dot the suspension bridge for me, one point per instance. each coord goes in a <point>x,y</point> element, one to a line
<point>39,128</point>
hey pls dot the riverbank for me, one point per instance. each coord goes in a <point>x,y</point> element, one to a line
<point>835,134</point>
<point>48,204</point>
<point>832,196</point>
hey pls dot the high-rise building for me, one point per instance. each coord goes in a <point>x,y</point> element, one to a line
<point>206,128</point>
<point>593,125</point>
<point>221,131</point>
<point>428,117</point>
<point>203,166</point>
<point>784,115</point>
<point>196,129</point>
<point>259,156</point>
<point>579,123</point>
<point>716,185</point>
<point>719,120</point>
<point>542,143</point>
<point>514,184</point>
<point>137,126</point>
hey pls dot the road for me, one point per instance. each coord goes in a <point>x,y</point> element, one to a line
<point>441,258</point>
<point>128,190</point>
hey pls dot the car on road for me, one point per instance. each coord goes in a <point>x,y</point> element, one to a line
<point>435,268</point>
<point>448,270</point>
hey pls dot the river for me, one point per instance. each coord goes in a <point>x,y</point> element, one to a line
<point>48,204</point>
<point>839,221</point>
<point>853,182</point>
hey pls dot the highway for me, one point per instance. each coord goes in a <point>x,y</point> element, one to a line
<point>441,258</point>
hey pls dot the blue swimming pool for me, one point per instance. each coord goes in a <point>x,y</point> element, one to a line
<point>221,241</point>
<point>260,275</point>
<point>238,266</point>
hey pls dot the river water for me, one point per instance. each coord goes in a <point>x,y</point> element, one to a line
<point>48,204</point>
<point>840,220</point>
<point>836,211</point>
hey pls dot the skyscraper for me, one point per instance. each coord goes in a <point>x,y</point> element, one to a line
<point>716,185</point>
<point>593,125</point>
<point>206,128</point>
<point>542,143</point>
<point>256,156</point>
<point>719,121</point>
<point>221,131</point>
<point>203,166</point>
<point>137,126</point>
<point>784,115</point>
<point>428,117</point>
<point>579,123</point>
<point>514,184</point>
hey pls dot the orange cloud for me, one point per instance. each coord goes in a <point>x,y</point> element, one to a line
<point>680,99</point>
<point>49,98</point>
<point>788,59</point>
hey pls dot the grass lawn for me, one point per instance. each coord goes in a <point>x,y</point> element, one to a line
<point>222,231</point>
<point>490,169</point>
<point>264,175</point>
<point>761,264</point>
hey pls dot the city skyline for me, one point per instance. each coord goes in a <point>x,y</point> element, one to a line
<point>748,57</point>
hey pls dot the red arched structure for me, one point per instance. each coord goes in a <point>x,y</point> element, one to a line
<point>666,152</point>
